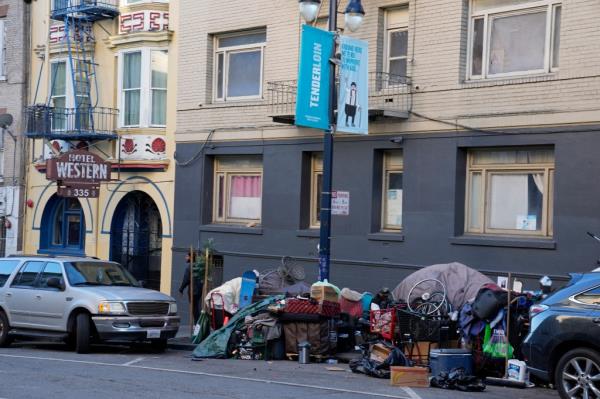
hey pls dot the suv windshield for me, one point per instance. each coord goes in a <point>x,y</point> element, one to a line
<point>98,273</point>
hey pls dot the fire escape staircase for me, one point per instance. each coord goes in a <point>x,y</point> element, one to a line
<point>85,120</point>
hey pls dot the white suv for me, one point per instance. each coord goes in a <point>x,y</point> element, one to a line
<point>80,300</point>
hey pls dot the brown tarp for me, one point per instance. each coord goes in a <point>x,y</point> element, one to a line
<point>462,283</point>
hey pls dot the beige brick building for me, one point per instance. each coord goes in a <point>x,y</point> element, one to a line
<point>14,45</point>
<point>484,118</point>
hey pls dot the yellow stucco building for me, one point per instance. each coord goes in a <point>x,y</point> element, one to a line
<point>103,80</point>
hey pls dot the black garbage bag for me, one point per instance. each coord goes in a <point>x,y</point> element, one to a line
<point>457,379</point>
<point>395,358</point>
<point>369,367</point>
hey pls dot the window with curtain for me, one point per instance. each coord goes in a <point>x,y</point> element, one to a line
<point>396,41</point>
<point>132,88</point>
<point>510,191</point>
<point>160,66</point>
<point>144,88</point>
<point>316,188</point>
<point>239,65</point>
<point>58,94</point>
<point>238,190</point>
<point>513,37</point>
<point>393,164</point>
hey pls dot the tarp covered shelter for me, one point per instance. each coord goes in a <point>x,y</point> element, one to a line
<point>215,345</point>
<point>462,283</point>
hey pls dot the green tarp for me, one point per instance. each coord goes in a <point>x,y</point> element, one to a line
<point>215,345</point>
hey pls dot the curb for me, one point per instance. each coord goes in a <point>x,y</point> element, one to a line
<point>179,346</point>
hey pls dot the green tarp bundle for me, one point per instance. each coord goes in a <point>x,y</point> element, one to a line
<point>215,345</point>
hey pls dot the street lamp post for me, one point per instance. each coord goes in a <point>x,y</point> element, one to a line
<point>353,17</point>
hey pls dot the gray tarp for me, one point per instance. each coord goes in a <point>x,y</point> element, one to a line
<point>215,345</point>
<point>462,283</point>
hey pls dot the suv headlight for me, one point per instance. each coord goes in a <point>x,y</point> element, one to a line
<point>173,308</point>
<point>111,308</point>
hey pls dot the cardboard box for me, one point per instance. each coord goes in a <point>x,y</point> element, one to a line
<point>415,377</point>
<point>380,353</point>
<point>324,293</point>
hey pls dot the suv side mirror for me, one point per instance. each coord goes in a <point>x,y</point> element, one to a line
<point>55,282</point>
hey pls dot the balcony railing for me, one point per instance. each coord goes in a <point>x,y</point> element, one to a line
<point>84,123</point>
<point>90,10</point>
<point>390,96</point>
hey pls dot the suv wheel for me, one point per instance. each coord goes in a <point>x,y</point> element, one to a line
<point>5,339</point>
<point>577,374</point>
<point>82,333</point>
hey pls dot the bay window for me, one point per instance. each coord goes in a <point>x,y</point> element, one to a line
<point>392,190</point>
<point>238,190</point>
<point>143,88</point>
<point>512,37</point>
<point>510,192</point>
<point>58,93</point>
<point>239,66</point>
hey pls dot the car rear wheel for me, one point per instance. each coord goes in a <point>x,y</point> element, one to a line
<point>5,339</point>
<point>577,374</point>
<point>82,333</point>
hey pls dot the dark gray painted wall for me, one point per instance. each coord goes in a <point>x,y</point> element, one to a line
<point>434,170</point>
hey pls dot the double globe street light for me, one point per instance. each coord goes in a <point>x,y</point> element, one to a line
<point>354,14</point>
<point>309,9</point>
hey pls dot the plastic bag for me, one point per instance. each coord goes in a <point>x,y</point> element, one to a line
<point>495,343</point>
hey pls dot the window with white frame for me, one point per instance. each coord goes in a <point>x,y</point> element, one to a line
<point>143,88</point>
<point>316,188</point>
<point>58,93</point>
<point>513,37</point>
<point>2,49</point>
<point>393,174</point>
<point>238,189</point>
<point>510,191</point>
<point>239,65</point>
<point>396,41</point>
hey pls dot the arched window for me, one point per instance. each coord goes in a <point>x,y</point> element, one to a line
<point>63,227</point>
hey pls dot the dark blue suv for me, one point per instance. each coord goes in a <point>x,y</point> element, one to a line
<point>563,346</point>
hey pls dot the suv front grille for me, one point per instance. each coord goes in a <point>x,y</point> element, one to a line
<point>148,308</point>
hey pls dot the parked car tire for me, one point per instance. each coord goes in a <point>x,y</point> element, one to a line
<point>82,333</point>
<point>575,373</point>
<point>159,345</point>
<point>5,339</point>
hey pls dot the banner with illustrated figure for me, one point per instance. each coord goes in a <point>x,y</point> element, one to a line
<point>353,92</point>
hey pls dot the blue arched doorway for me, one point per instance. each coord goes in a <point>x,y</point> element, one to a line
<point>136,237</point>
<point>63,227</point>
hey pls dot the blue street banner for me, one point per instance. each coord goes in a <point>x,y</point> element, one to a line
<point>312,100</point>
<point>353,92</point>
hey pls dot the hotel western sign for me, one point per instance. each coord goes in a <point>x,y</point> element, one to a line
<point>78,173</point>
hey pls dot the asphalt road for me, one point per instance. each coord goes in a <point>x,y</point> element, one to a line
<point>51,371</point>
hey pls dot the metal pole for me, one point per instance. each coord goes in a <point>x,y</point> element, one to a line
<point>325,227</point>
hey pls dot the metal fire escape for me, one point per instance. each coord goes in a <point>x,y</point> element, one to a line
<point>83,119</point>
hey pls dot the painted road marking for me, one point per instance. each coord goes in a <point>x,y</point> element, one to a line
<point>230,377</point>
<point>134,361</point>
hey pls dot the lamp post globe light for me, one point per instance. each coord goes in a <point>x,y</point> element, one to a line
<point>309,9</point>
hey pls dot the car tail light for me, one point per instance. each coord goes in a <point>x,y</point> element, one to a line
<point>535,310</point>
